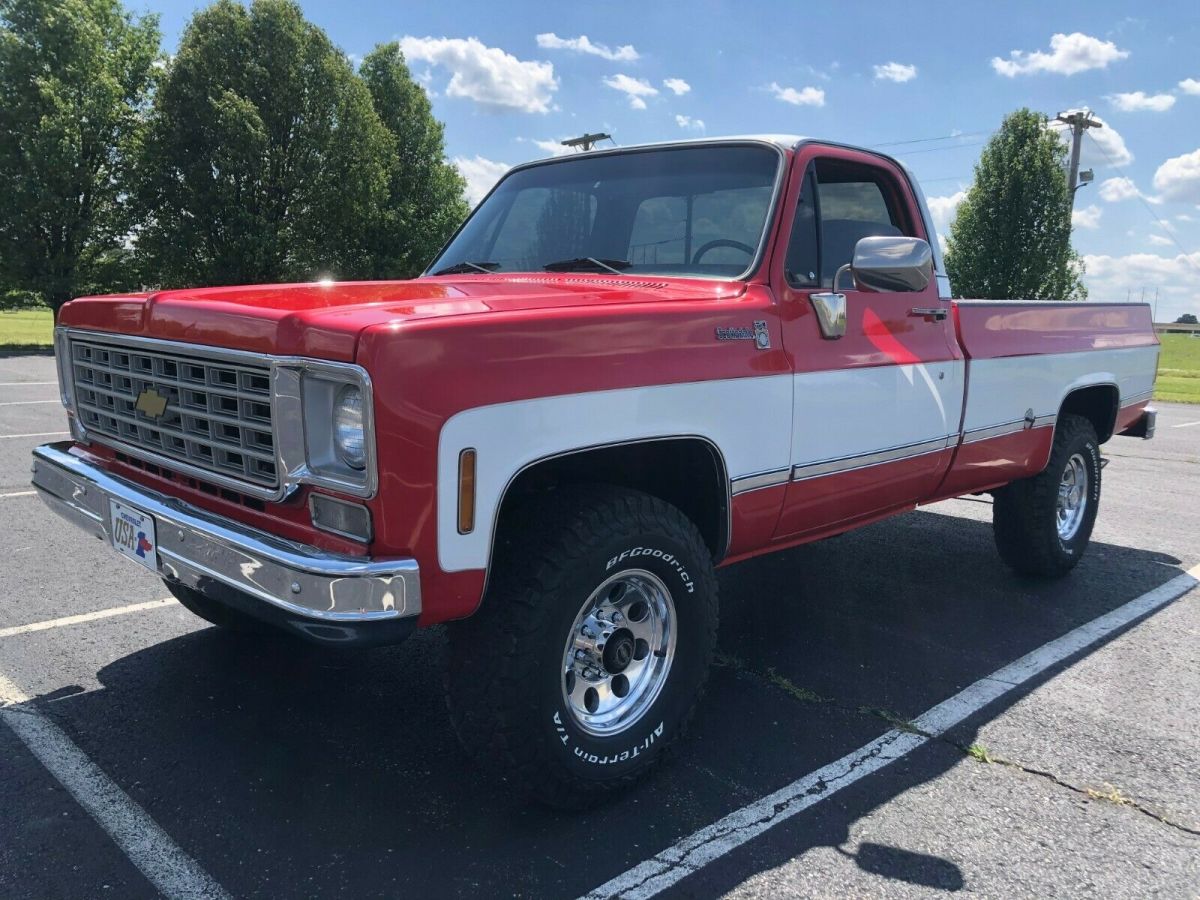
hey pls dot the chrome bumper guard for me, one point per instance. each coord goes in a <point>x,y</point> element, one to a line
<point>300,585</point>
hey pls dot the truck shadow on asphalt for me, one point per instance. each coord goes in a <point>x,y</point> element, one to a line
<point>290,770</point>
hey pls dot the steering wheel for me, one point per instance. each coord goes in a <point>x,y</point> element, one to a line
<point>721,242</point>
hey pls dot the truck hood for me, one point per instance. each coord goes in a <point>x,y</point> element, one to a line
<point>323,319</point>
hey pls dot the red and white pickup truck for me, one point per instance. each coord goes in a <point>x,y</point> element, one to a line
<point>627,369</point>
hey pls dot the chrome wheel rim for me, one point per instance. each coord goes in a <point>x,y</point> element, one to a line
<point>619,652</point>
<point>1072,497</point>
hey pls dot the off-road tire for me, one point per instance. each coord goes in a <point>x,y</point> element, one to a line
<point>505,676</point>
<point>1024,515</point>
<point>213,612</point>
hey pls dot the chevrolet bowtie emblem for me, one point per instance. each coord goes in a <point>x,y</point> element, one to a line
<point>151,403</point>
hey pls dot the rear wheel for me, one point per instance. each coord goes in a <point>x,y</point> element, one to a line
<point>592,646</point>
<point>1043,524</point>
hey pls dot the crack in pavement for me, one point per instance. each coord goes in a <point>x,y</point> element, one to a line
<point>1114,794</point>
<point>691,856</point>
<point>804,695</point>
<point>975,751</point>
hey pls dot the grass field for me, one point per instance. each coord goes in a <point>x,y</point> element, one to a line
<point>1179,369</point>
<point>26,329</point>
<point>1178,372</point>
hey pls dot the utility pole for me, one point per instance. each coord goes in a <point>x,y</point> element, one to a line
<point>586,142</point>
<point>1079,122</point>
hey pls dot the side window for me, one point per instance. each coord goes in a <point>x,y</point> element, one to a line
<point>855,202</point>
<point>803,259</point>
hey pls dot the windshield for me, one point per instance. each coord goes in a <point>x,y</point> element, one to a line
<point>681,211</point>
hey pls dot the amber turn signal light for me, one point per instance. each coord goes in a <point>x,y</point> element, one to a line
<point>466,491</point>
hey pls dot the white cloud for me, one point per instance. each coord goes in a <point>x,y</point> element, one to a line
<point>550,148</point>
<point>677,86</point>
<point>481,174</point>
<point>1069,53</point>
<point>1102,147</point>
<point>1190,86</point>
<point>1179,178</point>
<point>581,44</point>
<point>944,209</point>
<point>1140,101</point>
<point>1159,241</point>
<point>1114,190</point>
<point>487,75</point>
<point>1184,217</point>
<point>687,122</point>
<point>809,96</point>
<point>1177,278</point>
<point>895,71</point>
<point>634,88</point>
<point>1088,217</point>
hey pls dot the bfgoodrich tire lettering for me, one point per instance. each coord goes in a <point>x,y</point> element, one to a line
<point>505,681</point>
<point>1043,524</point>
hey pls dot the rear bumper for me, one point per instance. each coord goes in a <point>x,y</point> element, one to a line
<point>325,597</point>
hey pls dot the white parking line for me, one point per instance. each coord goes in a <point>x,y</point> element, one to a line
<point>36,434</point>
<point>32,383</point>
<point>28,402</point>
<point>702,847</point>
<point>169,869</point>
<point>17,494</point>
<point>1186,425</point>
<point>86,617</point>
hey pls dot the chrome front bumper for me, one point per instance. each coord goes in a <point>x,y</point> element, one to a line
<point>325,596</point>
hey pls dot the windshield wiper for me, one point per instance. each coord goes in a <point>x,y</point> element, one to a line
<point>586,263</point>
<point>459,268</point>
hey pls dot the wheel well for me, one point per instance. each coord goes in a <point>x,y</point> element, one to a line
<point>687,472</point>
<point>1097,404</point>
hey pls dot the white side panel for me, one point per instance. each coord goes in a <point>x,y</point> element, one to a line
<point>848,412</point>
<point>1002,390</point>
<point>748,419</point>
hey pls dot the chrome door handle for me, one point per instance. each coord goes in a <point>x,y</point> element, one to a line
<point>930,312</point>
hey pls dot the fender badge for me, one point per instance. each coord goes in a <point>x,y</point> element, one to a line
<point>759,334</point>
<point>151,403</point>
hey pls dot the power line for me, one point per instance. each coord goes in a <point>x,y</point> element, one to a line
<point>944,137</point>
<point>936,149</point>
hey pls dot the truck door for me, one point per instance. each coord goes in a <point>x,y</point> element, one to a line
<point>877,410</point>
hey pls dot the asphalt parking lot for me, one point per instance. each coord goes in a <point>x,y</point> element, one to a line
<point>275,769</point>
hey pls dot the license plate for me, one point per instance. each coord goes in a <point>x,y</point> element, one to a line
<point>133,534</point>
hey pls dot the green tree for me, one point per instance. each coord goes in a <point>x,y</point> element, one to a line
<point>74,81</point>
<point>425,192</point>
<point>265,160</point>
<point>1187,319</point>
<point>1012,235</point>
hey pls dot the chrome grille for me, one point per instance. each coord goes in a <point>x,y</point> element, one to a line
<point>217,417</point>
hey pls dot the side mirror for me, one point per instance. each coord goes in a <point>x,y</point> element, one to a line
<point>886,263</point>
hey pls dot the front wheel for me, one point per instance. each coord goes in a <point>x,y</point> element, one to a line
<point>591,649</point>
<point>1043,524</point>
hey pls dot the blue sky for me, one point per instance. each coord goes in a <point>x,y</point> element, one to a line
<point>925,82</point>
